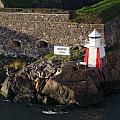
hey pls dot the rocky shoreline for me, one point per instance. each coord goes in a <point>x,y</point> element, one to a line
<point>54,82</point>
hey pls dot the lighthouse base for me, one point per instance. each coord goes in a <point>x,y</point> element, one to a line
<point>97,63</point>
<point>90,65</point>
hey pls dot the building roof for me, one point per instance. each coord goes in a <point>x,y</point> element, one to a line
<point>94,33</point>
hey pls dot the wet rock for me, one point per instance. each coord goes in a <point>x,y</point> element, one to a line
<point>25,98</point>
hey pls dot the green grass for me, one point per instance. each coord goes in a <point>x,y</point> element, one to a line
<point>101,6</point>
<point>101,12</point>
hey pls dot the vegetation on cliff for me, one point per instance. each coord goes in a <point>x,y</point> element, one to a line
<point>76,54</point>
<point>101,12</point>
<point>16,63</point>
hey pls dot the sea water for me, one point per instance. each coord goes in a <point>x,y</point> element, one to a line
<point>109,110</point>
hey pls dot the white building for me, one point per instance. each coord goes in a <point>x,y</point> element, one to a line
<point>95,51</point>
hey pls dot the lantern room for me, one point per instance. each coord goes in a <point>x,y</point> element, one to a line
<point>94,39</point>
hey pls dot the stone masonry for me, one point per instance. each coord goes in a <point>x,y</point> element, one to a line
<point>22,32</point>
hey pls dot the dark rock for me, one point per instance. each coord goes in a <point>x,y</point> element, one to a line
<point>14,85</point>
<point>25,98</point>
<point>31,79</point>
<point>63,94</point>
<point>114,75</point>
<point>84,83</point>
<point>50,82</point>
<point>23,84</point>
<point>6,89</point>
<point>42,98</point>
<point>2,75</point>
<point>69,67</point>
<point>87,93</point>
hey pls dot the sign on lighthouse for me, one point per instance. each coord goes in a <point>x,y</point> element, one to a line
<point>95,51</point>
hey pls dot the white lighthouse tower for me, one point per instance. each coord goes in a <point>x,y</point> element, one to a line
<point>95,52</point>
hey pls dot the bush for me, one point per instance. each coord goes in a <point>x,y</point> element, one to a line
<point>16,64</point>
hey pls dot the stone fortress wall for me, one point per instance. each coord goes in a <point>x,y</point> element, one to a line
<point>23,32</point>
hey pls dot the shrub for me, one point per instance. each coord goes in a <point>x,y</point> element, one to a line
<point>16,64</point>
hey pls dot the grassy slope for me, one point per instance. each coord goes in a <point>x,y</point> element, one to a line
<point>106,10</point>
<point>101,6</point>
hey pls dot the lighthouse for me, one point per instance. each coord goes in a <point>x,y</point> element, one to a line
<point>95,50</point>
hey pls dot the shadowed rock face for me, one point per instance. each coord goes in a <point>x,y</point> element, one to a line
<point>25,98</point>
<point>65,4</point>
<point>34,3</point>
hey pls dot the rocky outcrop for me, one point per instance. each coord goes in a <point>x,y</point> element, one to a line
<point>80,86</point>
<point>30,80</point>
<point>69,83</point>
<point>59,92</point>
